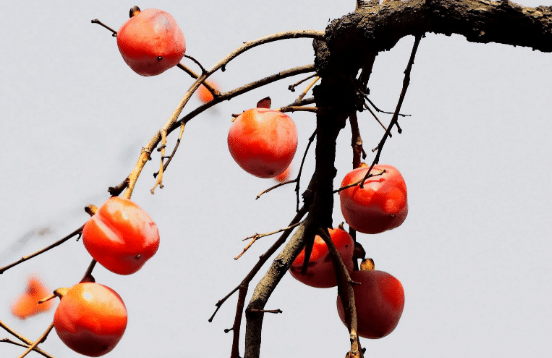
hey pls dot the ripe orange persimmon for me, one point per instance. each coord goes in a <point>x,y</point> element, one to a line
<point>320,269</point>
<point>121,236</point>
<point>151,42</point>
<point>90,319</point>
<point>263,141</point>
<point>27,305</point>
<point>204,94</point>
<point>380,205</point>
<point>379,301</point>
<point>283,176</point>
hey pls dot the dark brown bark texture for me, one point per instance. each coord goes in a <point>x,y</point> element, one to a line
<point>375,28</point>
<point>352,43</point>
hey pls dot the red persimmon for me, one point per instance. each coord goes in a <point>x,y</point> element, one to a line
<point>379,301</point>
<point>263,141</point>
<point>380,205</point>
<point>27,305</point>
<point>151,42</point>
<point>90,319</point>
<point>320,269</point>
<point>121,236</point>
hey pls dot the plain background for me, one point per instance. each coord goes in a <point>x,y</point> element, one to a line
<point>473,254</point>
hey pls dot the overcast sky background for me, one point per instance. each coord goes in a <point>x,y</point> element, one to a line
<point>473,255</point>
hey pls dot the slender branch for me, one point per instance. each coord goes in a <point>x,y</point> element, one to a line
<point>307,89</point>
<point>41,339</point>
<point>297,108</point>
<point>274,187</point>
<point>345,290</point>
<point>24,339</point>
<point>113,32</point>
<point>28,257</point>
<point>258,236</point>
<point>406,82</point>
<point>292,87</point>
<point>243,286</point>
<point>356,141</point>
<point>170,157</point>
<point>244,89</point>
<point>377,119</point>
<point>300,173</point>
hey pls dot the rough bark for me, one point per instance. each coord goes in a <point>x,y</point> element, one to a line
<point>351,43</point>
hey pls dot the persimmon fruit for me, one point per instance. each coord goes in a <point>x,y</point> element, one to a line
<point>263,141</point>
<point>379,301</point>
<point>204,94</point>
<point>283,176</point>
<point>380,205</point>
<point>90,319</point>
<point>121,236</point>
<point>27,304</point>
<point>151,42</point>
<point>320,269</point>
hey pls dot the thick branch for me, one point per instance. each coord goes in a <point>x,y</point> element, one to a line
<point>375,28</point>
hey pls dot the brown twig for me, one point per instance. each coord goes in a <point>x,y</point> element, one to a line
<point>292,87</point>
<point>113,32</point>
<point>24,340</point>
<point>170,157</point>
<point>41,339</point>
<point>28,257</point>
<point>300,173</point>
<point>345,291</point>
<point>307,89</point>
<point>159,179</point>
<point>256,237</point>
<point>243,286</point>
<point>356,141</point>
<point>297,108</point>
<point>358,181</point>
<point>406,82</point>
<point>274,187</point>
<point>265,311</point>
<point>377,119</point>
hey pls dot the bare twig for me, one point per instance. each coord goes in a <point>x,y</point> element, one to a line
<point>41,339</point>
<point>28,257</point>
<point>256,237</point>
<point>292,87</point>
<point>358,181</point>
<point>169,158</point>
<point>406,82</point>
<point>159,179</point>
<point>345,290</point>
<point>243,286</point>
<point>113,32</point>
<point>297,108</point>
<point>377,119</point>
<point>274,187</point>
<point>307,89</point>
<point>23,339</point>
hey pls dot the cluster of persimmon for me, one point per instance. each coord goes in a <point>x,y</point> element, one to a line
<point>380,204</point>
<point>91,318</point>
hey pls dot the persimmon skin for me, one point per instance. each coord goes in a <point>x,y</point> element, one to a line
<point>379,301</point>
<point>263,142</point>
<point>27,305</point>
<point>320,269</point>
<point>283,176</point>
<point>204,95</point>
<point>91,319</point>
<point>380,206</point>
<point>121,236</point>
<point>151,42</point>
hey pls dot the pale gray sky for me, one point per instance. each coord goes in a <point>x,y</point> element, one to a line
<point>473,254</point>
